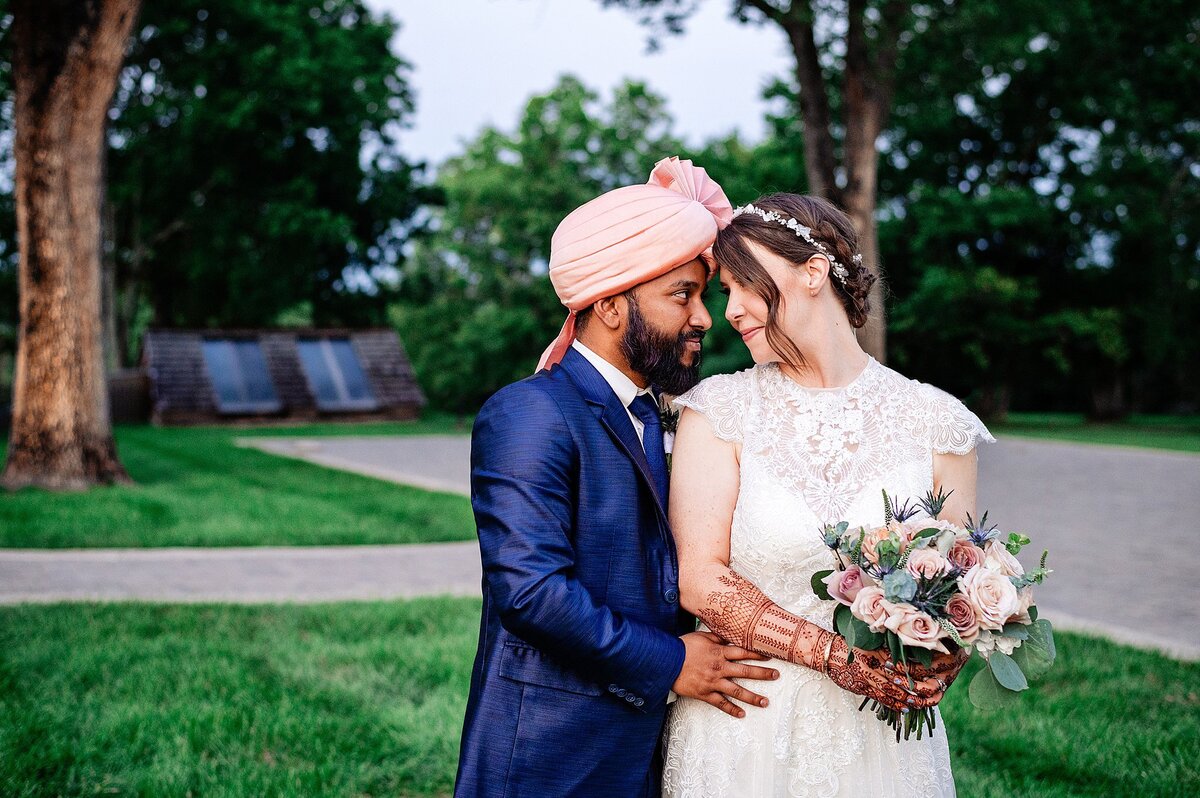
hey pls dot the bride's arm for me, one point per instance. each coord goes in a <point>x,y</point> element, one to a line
<point>705,478</point>
<point>956,474</point>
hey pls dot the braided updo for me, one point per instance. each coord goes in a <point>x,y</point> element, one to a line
<point>830,226</point>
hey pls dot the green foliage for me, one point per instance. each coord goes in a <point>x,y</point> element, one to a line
<point>1037,654</point>
<point>254,161</point>
<point>1007,672</point>
<point>1014,148</point>
<point>818,585</point>
<point>986,692</point>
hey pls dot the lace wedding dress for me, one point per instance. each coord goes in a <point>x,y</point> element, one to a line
<point>811,456</point>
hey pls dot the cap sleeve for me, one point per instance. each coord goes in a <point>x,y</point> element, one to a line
<point>953,429</point>
<point>722,400</point>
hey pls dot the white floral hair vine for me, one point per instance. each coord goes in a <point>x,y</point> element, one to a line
<point>804,232</point>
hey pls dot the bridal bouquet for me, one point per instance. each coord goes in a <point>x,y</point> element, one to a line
<point>918,585</point>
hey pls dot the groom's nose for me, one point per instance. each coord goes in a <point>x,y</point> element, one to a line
<point>700,318</point>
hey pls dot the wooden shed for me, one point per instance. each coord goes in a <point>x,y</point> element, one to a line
<point>207,376</point>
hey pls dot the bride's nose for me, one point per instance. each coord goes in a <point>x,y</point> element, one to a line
<point>734,309</point>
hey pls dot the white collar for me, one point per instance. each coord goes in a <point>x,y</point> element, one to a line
<point>622,386</point>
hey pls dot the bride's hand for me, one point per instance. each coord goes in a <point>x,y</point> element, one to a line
<point>945,668</point>
<point>873,675</point>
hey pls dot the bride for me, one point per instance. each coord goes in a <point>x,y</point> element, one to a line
<point>763,458</point>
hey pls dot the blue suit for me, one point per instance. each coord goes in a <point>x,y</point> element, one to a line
<point>579,639</point>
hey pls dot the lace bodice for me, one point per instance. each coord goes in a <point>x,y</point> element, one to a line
<point>811,456</point>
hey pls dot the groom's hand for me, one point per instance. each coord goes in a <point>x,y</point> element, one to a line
<point>709,666</point>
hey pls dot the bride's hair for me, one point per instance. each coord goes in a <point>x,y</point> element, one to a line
<point>830,226</point>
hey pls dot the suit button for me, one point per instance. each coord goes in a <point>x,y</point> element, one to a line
<point>612,688</point>
<point>671,595</point>
<point>639,702</point>
<point>631,698</point>
<point>621,693</point>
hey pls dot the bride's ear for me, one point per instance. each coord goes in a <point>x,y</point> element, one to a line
<point>814,272</point>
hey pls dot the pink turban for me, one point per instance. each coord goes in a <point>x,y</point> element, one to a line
<point>632,235</point>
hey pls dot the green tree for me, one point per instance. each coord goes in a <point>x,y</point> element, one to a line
<point>476,307</point>
<point>1018,146</point>
<point>254,164</point>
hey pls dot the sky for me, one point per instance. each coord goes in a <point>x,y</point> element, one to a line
<point>477,62</point>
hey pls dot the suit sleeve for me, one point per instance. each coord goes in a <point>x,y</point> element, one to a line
<point>524,468</point>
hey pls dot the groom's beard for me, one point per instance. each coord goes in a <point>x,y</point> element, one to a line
<point>658,356</point>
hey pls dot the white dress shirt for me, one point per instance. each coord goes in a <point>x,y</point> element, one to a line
<point>622,386</point>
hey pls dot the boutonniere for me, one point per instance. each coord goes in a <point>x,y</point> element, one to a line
<point>668,417</point>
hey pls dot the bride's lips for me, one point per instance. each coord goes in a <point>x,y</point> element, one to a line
<point>750,333</point>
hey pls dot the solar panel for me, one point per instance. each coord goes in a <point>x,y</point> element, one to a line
<point>238,373</point>
<point>335,375</point>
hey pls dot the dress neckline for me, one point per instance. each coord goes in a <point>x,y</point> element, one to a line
<point>871,363</point>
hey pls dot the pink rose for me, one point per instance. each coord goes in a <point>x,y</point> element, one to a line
<point>928,563</point>
<point>1026,601</point>
<point>997,558</point>
<point>870,607</point>
<point>992,594</point>
<point>965,554</point>
<point>963,618</point>
<point>915,628</point>
<point>844,585</point>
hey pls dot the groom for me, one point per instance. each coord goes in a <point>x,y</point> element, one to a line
<point>582,639</point>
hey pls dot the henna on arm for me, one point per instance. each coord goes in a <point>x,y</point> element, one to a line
<point>744,615</point>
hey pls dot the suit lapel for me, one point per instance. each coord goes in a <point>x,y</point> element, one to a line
<point>613,417</point>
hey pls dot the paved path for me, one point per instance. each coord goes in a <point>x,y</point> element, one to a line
<point>432,462</point>
<point>246,575</point>
<point>1120,524</point>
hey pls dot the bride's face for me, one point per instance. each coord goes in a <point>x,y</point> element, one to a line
<point>747,312</point>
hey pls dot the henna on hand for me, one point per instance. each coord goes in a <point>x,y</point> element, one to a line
<point>866,675</point>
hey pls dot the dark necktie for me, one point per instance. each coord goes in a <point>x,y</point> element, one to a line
<point>646,410</point>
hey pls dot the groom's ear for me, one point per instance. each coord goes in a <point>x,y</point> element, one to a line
<point>611,311</point>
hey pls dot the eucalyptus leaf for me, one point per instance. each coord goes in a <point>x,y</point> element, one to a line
<point>894,647</point>
<point>1037,654</point>
<point>987,693</point>
<point>899,586</point>
<point>922,655</point>
<point>1017,631</point>
<point>1007,671</point>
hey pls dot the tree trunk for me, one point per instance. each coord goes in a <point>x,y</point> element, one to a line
<point>66,58</point>
<point>867,103</point>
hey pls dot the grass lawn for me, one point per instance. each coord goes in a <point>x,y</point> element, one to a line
<point>367,699</point>
<point>196,488</point>
<point>1176,433</point>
